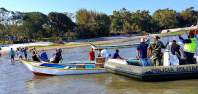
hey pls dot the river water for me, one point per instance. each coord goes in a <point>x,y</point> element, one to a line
<point>17,79</point>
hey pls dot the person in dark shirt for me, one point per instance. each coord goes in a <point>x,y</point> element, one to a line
<point>35,56</point>
<point>116,55</point>
<point>25,52</point>
<point>0,52</point>
<point>175,49</point>
<point>58,56</point>
<point>142,53</point>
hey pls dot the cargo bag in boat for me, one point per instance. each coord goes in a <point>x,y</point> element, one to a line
<point>170,59</point>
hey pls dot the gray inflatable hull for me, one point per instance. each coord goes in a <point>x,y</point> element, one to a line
<point>154,73</point>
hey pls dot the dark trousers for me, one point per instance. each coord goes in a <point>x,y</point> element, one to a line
<point>189,57</point>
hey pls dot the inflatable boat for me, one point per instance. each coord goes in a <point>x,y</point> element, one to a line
<point>132,68</point>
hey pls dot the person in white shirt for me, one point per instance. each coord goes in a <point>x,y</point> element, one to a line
<point>19,53</point>
<point>105,53</point>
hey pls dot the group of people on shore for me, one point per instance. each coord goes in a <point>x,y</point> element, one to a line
<point>22,53</point>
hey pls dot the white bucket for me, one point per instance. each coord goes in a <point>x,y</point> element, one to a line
<point>166,61</point>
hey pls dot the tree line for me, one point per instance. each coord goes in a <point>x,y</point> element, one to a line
<point>90,24</point>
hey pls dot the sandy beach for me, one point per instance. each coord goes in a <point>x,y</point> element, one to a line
<point>83,42</point>
<point>134,39</point>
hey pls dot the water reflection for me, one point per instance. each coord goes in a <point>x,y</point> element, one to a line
<point>107,84</point>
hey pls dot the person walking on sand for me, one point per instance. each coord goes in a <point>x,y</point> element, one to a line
<point>19,53</point>
<point>25,52</point>
<point>12,55</point>
<point>0,51</point>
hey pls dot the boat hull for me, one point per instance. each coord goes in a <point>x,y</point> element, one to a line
<point>43,70</point>
<point>154,73</point>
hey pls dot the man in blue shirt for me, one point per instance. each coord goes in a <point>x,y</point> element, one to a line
<point>12,54</point>
<point>116,55</point>
<point>142,53</point>
<point>44,56</point>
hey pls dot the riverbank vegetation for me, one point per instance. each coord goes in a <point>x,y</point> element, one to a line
<point>33,26</point>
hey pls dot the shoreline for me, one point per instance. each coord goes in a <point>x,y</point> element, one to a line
<point>77,44</point>
<point>98,42</point>
<point>104,42</point>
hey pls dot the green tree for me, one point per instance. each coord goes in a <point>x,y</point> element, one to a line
<point>2,31</point>
<point>124,21</point>
<point>166,18</point>
<point>121,21</point>
<point>92,24</point>
<point>60,24</point>
<point>33,24</point>
<point>188,17</point>
<point>142,21</point>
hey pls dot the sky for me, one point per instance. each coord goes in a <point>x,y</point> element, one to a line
<point>105,6</point>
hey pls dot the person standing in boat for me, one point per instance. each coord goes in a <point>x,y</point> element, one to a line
<point>172,55</point>
<point>35,55</point>
<point>154,51</point>
<point>12,55</point>
<point>189,47</point>
<point>116,55</point>
<point>105,53</point>
<point>175,49</point>
<point>142,53</point>
<point>99,52</point>
<point>58,56</point>
<point>92,55</point>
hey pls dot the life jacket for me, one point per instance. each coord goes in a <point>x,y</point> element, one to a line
<point>190,47</point>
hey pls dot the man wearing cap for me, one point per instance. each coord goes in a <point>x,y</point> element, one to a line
<point>154,51</point>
